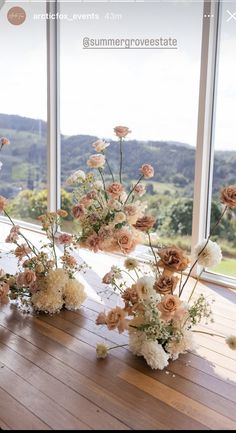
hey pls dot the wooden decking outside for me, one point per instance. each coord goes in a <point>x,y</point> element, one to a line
<point>50,377</point>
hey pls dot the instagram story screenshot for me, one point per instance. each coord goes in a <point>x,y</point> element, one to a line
<point>117,214</point>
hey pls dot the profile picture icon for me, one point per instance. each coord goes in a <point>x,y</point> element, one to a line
<point>16,15</point>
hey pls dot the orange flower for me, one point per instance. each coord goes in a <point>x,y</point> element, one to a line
<point>228,196</point>
<point>173,258</point>
<point>116,319</point>
<point>3,203</point>
<point>145,223</point>
<point>168,306</point>
<point>165,285</point>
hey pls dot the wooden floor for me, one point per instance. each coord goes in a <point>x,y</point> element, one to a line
<point>50,377</point>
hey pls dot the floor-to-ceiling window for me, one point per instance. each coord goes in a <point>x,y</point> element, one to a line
<point>135,64</point>
<point>23,108</point>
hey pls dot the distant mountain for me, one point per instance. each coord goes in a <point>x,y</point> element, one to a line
<point>24,161</point>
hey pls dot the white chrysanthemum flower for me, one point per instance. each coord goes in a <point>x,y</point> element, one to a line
<point>210,256</point>
<point>154,355</point>
<point>231,341</point>
<point>144,287</point>
<point>120,217</point>
<point>175,347</point>
<point>136,340</point>
<point>102,350</point>
<point>74,294</point>
<point>131,264</point>
<point>47,300</point>
<point>77,176</point>
<point>56,279</point>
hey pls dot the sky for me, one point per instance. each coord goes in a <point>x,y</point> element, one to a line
<point>154,92</point>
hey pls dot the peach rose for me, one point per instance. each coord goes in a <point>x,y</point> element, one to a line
<point>4,289</point>
<point>165,285</point>
<point>69,260</point>
<point>96,161</point>
<point>3,203</point>
<point>2,273</point>
<point>65,239</point>
<point>107,279</point>
<point>62,213</point>
<point>22,251</point>
<point>100,145</point>
<point>168,306</point>
<point>125,240</point>
<point>93,242</point>
<point>13,235</point>
<point>78,211</point>
<point>115,189</point>
<point>139,189</point>
<point>121,131</point>
<point>173,258</point>
<point>26,278</point>
<point>145,223</point>
<point>91,195</point>
<point>228,196</point>
<point>130,295</point>
<point>147,171</point>
<point>116,319</point>
<point>101,319</point>
<point>4,142</point>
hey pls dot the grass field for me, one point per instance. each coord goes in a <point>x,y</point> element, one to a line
<point>226,267</point>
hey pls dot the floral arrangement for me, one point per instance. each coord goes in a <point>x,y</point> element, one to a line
<point>44,282</point>
<point>159,320</point>
<point>3,142</point>
<point>110,218</point>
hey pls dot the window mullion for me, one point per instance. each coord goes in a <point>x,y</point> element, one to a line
<point>204,148</point>
<point>53,107</point>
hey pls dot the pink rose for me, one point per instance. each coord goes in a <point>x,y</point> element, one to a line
<point>147,170</point>
<point>115,189</point>
<point>78,211</point>
<point>96,161</point>
<point>65,239</point>
<point>121,131</point>
<point>3,203</point>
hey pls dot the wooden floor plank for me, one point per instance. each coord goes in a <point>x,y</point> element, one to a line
<point>144,414</point>
<point>16,416</point>
<point>88,413</point>
<point>47,410</point>
<point>223,405</point>
<point>187,406</point>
